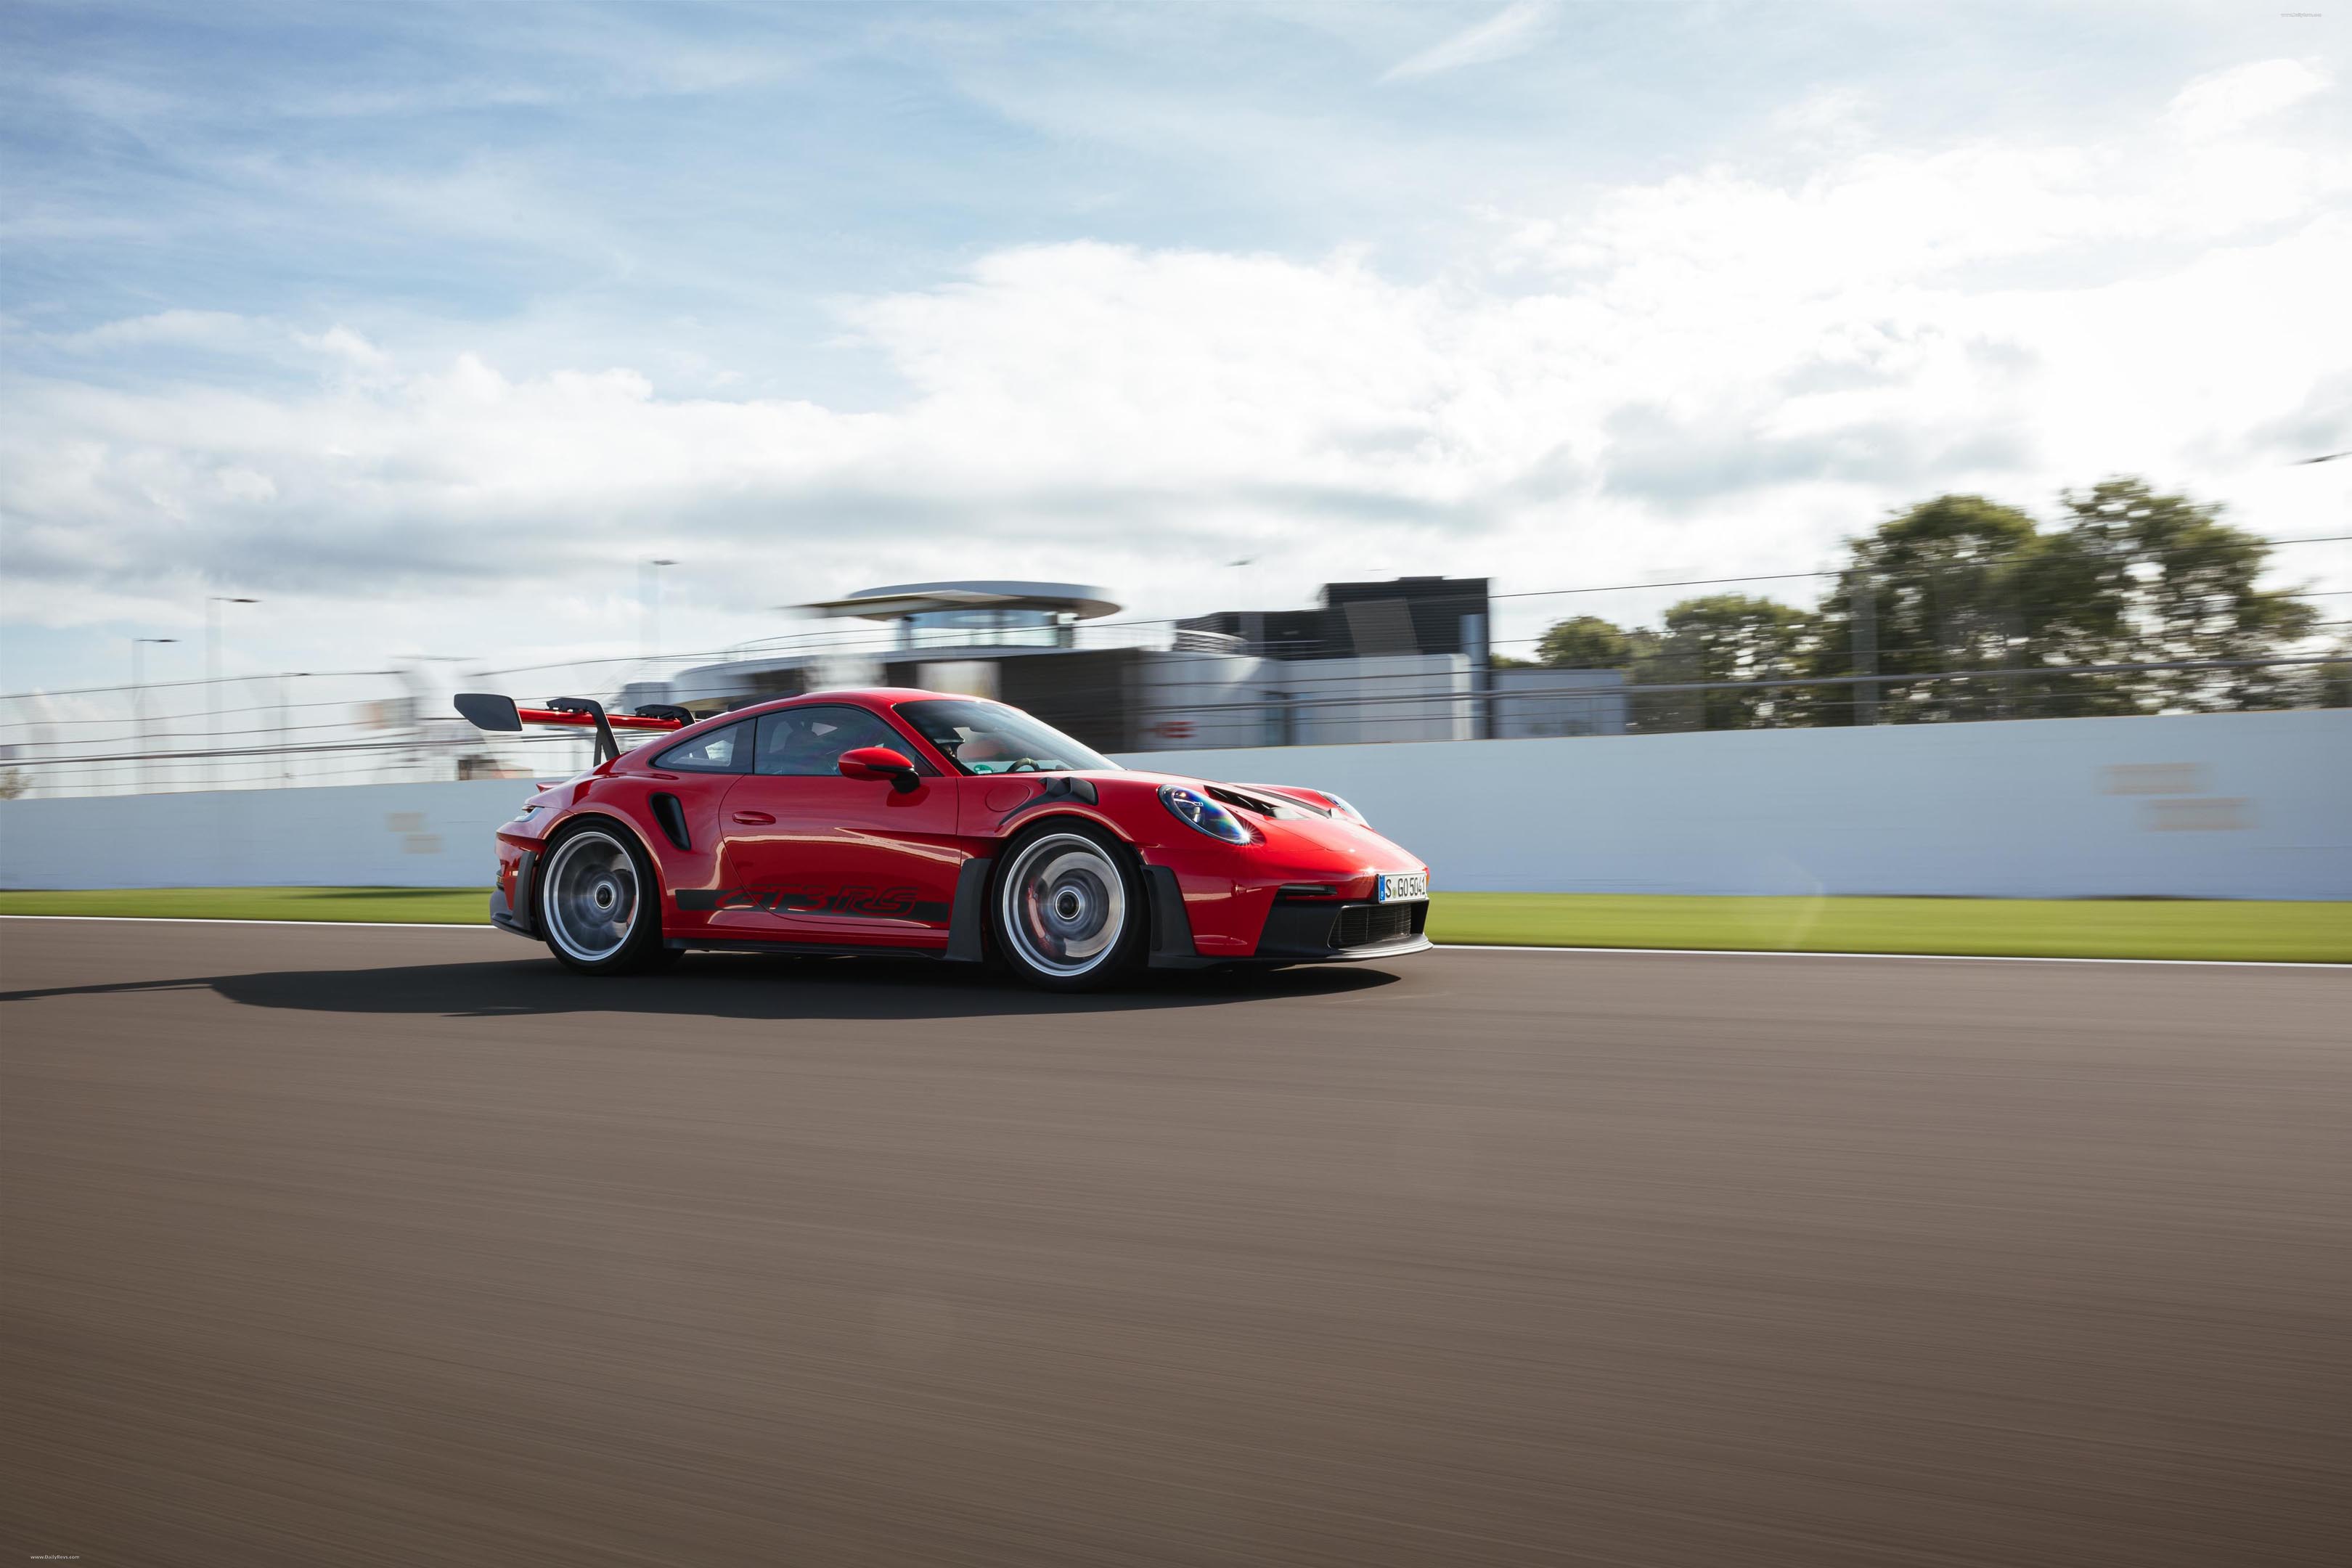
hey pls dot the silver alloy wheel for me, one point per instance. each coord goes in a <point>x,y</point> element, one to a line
<point>591,896</point>
<point>1064,905</point>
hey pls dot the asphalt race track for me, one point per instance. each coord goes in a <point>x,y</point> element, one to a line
<point>331,1245</point>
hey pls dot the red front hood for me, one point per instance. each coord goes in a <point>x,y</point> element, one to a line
<point>1306,844</point>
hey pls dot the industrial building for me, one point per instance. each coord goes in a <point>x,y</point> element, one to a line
<point>1404,659</point>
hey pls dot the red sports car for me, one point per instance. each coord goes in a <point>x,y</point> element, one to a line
<point>905,823</point>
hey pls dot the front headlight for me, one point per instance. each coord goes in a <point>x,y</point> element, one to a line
<point>1211,817</point>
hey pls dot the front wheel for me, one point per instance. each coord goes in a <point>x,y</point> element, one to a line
<point>600,904</point>
<point>1068,912</point>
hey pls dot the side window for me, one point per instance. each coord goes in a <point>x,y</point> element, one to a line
<point>719,751</point>
<point>801,742</point>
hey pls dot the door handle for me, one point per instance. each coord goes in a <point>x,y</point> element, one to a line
<point>753,818</point>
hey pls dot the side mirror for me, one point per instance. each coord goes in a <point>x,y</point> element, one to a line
<point>881,762</point>
<point>488,710</point>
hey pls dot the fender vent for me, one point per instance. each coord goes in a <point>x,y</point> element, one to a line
<point>672,817</point>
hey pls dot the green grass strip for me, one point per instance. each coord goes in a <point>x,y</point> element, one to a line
<point>2032,928</point>
<point>2015,928</point>
<point>437,906</point>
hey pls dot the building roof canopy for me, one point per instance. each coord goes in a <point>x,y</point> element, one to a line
<point>896,603</point>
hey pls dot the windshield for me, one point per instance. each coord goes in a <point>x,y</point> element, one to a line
<point>990,738</point>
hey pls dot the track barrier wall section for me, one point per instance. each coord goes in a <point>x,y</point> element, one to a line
<point>2238,806</point>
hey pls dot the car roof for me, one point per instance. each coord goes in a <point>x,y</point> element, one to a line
<point>885,693</point>
<point>865,696</point>
<point>871,696</point>
<point>877,697</point>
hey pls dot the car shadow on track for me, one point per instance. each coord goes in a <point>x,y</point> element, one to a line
<point>728,985</point>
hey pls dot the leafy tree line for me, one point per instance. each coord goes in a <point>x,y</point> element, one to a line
<point>1962,583</point>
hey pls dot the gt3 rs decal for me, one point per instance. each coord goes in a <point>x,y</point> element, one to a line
<point>872,903</point>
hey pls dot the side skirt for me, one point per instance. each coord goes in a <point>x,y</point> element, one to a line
<point>797,948</point>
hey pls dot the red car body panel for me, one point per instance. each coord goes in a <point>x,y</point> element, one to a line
<point>860,865</point>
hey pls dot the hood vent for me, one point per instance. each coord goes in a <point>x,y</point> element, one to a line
<point>1258,804</point>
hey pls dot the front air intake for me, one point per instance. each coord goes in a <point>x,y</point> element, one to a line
<point>1363,925</point>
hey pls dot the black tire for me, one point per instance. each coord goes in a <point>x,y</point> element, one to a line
<point>1068,911</point>
<point>599,899</point>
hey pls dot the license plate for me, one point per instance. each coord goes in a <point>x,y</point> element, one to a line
<point>1402,887</point>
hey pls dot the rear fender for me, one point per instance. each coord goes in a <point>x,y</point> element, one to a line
<point>646,835</point>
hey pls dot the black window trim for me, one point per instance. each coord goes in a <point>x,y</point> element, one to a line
<point>961,771</point>
<point>662,760</point>
<point>889,721</point>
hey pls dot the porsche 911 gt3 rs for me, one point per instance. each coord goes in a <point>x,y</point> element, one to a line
<point>892,821</point>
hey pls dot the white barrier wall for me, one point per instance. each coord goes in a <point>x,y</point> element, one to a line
<point>2248,805</point>
<point>2239,805</point>
<point>375,836</point>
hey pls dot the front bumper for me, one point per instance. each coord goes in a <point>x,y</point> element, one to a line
<point>1306,931</point>
<point>1294,929</point>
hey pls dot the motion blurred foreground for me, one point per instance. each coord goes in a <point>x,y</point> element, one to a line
<point>330,1245</point>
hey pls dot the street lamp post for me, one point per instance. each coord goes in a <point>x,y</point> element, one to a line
<point>649,595</point>
<point>213,602</point>
<point>139,704</point>
<point>285,741</point>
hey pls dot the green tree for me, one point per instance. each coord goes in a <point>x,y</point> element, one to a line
<point>1947,585</point>
<point>1722,637</point>
<point>2187,592</point>
<point>1962,583</point>
<point>1588,642</point>
<point>1585,642</point>
<point>1975,612</point>
<point>2332,681</point>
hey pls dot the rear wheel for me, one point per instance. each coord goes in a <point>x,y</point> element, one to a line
<point>599,904</point>
<point>1068,911</point>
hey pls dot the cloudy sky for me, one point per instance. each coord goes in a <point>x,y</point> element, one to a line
<point>424,326</point>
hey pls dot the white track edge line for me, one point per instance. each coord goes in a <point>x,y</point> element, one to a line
<point>1436,947</point>
<point>1906,957</point>
<point>232,920</point>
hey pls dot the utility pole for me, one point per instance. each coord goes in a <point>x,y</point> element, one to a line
<point>139,707</point>
<point>213,602</point>
<point>285,741</point>
<point>649,595</point>
<point>1862,590</point>
<point>2012,647</point>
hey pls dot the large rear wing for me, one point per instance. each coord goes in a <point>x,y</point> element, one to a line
<point>491,710</point>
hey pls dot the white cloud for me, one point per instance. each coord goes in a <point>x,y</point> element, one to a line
<point>340,342</point>
<point>1513,30</point>
<point>1717,370</point>
<point>181,329</point>
<point>2221,102</point>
